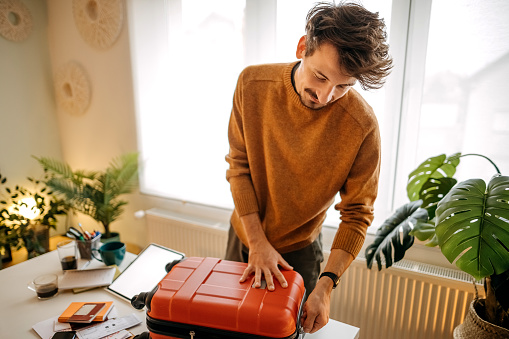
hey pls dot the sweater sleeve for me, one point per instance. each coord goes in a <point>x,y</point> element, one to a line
<point>358,195</point>
<point>238,174</point>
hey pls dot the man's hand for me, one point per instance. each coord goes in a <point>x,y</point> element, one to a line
<point>263,261</point>
<point>263,258</point>
<point>315,314</point>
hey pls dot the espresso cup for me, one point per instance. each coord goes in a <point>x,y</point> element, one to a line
<point>111,253</point>
<point>68,254</point>
<point>45,286</point>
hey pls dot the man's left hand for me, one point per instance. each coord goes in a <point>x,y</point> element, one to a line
<point>315,314</point>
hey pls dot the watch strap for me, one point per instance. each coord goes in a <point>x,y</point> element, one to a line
<point>334,277</point>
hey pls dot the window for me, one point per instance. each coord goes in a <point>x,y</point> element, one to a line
<point>446,92</point>
<point>459,101</point>
<point>183,128</point>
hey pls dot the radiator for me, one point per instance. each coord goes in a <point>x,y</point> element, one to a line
<point>195,237</point>
<point>408,300</point>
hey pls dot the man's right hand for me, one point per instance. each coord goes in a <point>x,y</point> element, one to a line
<point>263,262</point>
<point>263,258</point>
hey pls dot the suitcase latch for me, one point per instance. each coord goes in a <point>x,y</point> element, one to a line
<point>192,334</point>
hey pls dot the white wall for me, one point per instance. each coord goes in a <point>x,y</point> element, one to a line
<point>28,117</point>
<point>27,106</point>
<point>108,128</point>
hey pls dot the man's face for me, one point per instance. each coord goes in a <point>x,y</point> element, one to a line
<point>318,79</point>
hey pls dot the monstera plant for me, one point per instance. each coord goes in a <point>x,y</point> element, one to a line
<point>469,221</point>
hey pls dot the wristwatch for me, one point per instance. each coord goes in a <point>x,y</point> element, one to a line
<point>335,279</point>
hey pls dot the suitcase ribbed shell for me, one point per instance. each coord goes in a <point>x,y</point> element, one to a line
<point>206,292</point>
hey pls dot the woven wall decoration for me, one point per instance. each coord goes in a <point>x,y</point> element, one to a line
<point>72,88</point>
<point>15,20</point>
<point>98,21</point>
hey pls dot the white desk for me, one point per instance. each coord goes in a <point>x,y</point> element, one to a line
<point>20,309</point>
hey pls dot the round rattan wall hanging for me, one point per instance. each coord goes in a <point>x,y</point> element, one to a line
<point>98,21</point>
<point>15,20</point>
<point>72,88</point>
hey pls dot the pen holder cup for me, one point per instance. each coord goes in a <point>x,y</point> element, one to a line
<point>86,246</point>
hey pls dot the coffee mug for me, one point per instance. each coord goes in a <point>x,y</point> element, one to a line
<point>111,253</point>
<point>46,286</point>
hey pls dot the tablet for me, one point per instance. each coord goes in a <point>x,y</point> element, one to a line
<point>145,272</point>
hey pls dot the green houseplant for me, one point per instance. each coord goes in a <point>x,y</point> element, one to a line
<point>469,221</point>
<point>94,193</point>
<point>26,216</point>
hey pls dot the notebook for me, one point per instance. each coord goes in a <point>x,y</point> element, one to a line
<point>99,313</point>
<point>87,278</point>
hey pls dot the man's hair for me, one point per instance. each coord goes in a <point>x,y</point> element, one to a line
<point>358,35</point>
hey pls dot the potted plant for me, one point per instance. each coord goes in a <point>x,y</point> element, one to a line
<point>469,221</point>
<point>95,193</point>
<point>26,216</point>
<point>8,237</point>
<point>5,244</point>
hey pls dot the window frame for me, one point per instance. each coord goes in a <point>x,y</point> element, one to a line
<point>411,85</point>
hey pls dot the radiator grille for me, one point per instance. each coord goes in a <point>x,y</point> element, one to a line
<point>402,303</point>
<point>409,300</point>
<point>193,237</point>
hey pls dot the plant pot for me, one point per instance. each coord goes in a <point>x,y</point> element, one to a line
<point>36,240</point>
<point>475,327</point>
<point>114,236</point>
<point>6,254</point>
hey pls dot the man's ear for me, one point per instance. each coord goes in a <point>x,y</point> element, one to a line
<point>301,48</point>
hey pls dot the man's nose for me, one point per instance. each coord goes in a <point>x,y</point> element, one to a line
<point>326,94</point>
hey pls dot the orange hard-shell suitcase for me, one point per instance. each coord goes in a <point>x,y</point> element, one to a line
<point>202,298</point>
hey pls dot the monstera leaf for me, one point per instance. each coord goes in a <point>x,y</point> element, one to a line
<point>473,226</point>
<point>435,167</point>
<point>425,231</point>
<point>433,191</point>
<point>392,239</point>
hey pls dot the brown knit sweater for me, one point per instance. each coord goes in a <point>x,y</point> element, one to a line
<point>287,162</point>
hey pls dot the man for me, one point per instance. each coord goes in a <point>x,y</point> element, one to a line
<point>299,134</point>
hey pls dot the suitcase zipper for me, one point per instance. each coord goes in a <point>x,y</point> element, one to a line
<point>180,330</point>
